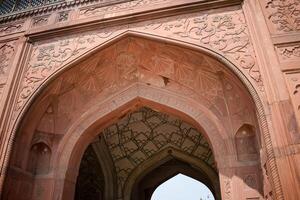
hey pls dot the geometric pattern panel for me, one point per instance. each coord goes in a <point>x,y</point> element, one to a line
<point>145,132</point>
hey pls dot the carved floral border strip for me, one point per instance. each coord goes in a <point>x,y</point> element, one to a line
<point>100,10</point>
<point>224,32</point>
<point>7,52</point>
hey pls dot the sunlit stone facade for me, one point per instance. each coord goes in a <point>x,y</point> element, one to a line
<point>108,99</point>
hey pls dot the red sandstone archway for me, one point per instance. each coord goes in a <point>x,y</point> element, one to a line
<point>149,90</point>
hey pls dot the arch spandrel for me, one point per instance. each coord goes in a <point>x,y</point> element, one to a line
<point>224,34</point>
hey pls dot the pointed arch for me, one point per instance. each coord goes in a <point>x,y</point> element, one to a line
<point>163,157</point>
<point>217,128</point>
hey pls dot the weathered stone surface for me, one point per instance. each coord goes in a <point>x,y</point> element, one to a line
<point>72,71</point>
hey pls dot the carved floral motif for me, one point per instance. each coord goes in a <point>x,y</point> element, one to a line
<point>284,14</point>
<point>47,58</point>
<point>291,52</point>
<point>7,51</point>
<point>63,16</point>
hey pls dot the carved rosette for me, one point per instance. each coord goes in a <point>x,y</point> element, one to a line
<point>7,52</point>
<point>284,16</point>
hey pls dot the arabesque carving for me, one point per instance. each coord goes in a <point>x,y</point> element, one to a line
<point>225,32</point>
<point>47,58</point>
<point>284,14</point>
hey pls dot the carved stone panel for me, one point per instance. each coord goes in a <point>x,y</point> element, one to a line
<point>10,28</point>
<point>283,15</point>
<point>7,52</point>
<point>293,82</point>
<point>288,52</point>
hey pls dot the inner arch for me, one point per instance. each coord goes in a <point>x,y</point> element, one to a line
<point>145,146</point>
<point>182,187</point>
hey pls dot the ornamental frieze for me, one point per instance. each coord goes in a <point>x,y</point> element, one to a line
<point>224,32</point>
<point>11,28</point>
<point>106,10</point>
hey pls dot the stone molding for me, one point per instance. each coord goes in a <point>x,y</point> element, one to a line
<point>105,6</point>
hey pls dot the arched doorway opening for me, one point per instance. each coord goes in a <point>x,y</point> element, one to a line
<point>140,137</point>
<point>180,187</point>
<point>130,74</point>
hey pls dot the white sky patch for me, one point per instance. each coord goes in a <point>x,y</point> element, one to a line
<point>181,187</point>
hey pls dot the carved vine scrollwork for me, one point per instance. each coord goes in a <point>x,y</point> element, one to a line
<point>227,33</point>
<point>48,57</point>
<point>285,15</point>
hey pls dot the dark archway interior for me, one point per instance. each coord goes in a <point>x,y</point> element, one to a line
<point>90,181</point>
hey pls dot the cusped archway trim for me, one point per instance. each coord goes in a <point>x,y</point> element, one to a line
<point>162,156</point>
<point>274,176</point>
